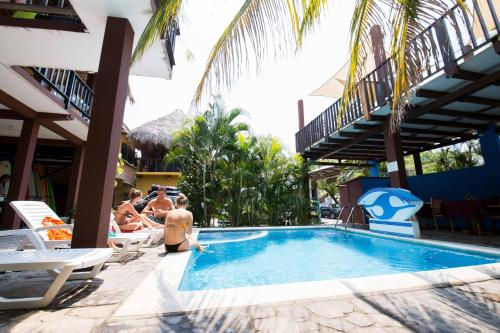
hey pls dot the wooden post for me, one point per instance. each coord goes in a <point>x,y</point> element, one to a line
<point>301,113</point>
<point>418,164</point>
<point>378,50</point>
<point>74,182</point>
<point>21,172</point>
<point>395,159</point>
<point>95,195</point>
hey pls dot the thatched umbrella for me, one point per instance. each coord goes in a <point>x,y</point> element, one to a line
<point>159,132</point>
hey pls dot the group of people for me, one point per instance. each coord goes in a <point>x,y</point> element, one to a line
<point>160,212</point>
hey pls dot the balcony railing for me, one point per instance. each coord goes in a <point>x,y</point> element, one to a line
<point>452,37</point>
<point>128,155</point>
<point>54,10</point>
<point>158,165</point>
<point>170,36</point>
<point>68,86</point>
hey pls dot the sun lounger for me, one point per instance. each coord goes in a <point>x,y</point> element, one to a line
<point>33,212</point>
<point>155,235</point>
<point>63,262</point>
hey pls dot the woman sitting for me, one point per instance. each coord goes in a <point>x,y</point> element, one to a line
<point>179,228</point>
<point>128,219</point>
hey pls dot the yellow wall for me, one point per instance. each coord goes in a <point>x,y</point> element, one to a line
<point>144,180</point>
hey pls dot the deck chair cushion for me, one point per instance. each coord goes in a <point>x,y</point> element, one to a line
<point>57,234</point>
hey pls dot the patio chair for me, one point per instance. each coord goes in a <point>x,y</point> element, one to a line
<point>154,235</point>
<point>437,212</point>
<point>61,263</point>
<point>33,212</point>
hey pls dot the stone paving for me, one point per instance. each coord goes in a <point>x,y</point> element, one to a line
<point>88,306</point>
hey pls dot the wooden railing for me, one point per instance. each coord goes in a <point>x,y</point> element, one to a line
<point>67,85</point>
<point>170,36</point>
<point>41,9</point>
<point>157,165</point>
<point>452,37</point>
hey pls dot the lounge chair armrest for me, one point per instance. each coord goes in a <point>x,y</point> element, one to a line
<point>30,233</point>
<point>55,227</point>
<point>16,232</point>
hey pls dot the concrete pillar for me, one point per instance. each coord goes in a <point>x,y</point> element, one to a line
<point>95,195</point>
<point>374,169</point>
<point>418,164</point>
<point>74,182</point>
<point>301,113</point>
<point>21,170</point>
<point>395,159</point>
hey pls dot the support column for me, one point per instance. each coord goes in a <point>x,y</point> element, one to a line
<point>418,164</point>
<point>374,169</point>
<point>301,113</point>
<point>99,164</point>
<point>74,182</point>
<point>21,172</point>
<point>395,159</point>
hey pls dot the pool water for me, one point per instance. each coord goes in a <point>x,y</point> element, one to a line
<point>285,256</point>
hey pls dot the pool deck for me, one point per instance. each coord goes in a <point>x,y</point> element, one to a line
<point>94,306</point>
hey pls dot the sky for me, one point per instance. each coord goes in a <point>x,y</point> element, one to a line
<point>268,97</point>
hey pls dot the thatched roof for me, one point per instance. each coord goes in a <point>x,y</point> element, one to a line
<point>159,131</point>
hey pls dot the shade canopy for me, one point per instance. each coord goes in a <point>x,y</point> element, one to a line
<point>334,87</point>
<point>160,131</point>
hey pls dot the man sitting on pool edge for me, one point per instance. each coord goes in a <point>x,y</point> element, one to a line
<point>179,229</point>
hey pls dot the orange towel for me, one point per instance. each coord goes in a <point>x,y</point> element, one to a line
<point>58,234</point>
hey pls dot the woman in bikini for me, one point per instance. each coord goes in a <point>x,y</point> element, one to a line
<point>179,227</point>
<point>128,219</point>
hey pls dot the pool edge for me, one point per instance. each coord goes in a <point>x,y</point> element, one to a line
<point>164,282</point>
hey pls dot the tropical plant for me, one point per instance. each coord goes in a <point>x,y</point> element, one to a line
<point>234,176</point>
<point>269,27</point>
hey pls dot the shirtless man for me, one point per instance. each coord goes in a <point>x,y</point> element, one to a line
<point>179,228</point>
<point>158,208</point>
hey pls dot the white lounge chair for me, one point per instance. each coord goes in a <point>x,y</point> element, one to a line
<point>33,212</point>
<point>61,262</point>
<point>155,235</point>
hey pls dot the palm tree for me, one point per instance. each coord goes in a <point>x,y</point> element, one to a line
<point>278,25</point>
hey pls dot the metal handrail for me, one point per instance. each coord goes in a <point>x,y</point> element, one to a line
<point>67,85</point>
<point>442,48</point>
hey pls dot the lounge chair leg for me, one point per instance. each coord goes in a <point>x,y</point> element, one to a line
<point>451,225</point>
<point>37,302</point>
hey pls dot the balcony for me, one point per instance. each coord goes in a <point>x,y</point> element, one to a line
<point>170,36</point>
<point>456,37</point>
<point>128,155</point>
<point>157,165</point>
<point>40,13</point>
<point>68,86</point>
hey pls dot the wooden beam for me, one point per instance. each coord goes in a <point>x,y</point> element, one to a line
<point>20,178</point>
<point>395,157</point>
<point>405,129</point>
<point>468,115</point>
<point>455,95</point>
<point>95,196</point>
<point>463,74</point>
<point>426,93</point>
<point>53,116</point>
<point>27,113</point>
<point>9,114</point>
<point>40,142</point>
<point>445,123</point>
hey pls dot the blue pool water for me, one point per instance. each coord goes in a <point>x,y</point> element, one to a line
<point>284,256</point>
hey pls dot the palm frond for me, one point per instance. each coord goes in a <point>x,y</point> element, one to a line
<point>166,11</point>
<point>257,25</point>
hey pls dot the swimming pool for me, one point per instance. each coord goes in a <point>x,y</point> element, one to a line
<point>251,258</point>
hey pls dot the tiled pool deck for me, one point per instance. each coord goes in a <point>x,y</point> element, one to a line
<point>89,306</point>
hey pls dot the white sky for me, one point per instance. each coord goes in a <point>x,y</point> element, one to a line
<point>270,98</point>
